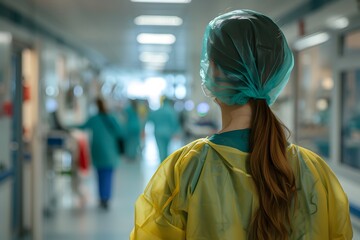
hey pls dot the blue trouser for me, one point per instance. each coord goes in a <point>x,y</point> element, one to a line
<point>105,182</point>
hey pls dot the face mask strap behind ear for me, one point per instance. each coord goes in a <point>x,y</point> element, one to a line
<point>207,93</point>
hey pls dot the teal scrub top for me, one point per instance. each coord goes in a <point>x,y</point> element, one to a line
<point>165,120</point>
<point>133,124</point>
<point>238,139</point>
<point>104,151</point>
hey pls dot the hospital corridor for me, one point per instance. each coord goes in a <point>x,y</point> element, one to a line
<point>133,119</point>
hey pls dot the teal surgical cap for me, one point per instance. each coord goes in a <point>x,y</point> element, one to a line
<point>245,56</point>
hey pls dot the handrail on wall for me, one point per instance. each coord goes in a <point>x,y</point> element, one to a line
<point>5,174</point>
<point>355,210</point>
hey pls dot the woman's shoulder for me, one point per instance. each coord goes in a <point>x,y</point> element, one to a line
<point>309,160</point>
<point>305,154</point>
<point>181,162</point>
<point>186,156</point>
<point>190,148</point>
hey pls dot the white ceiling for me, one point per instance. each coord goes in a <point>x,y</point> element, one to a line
<point>107,29</point>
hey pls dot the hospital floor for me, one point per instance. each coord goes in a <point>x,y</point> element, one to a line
<point>77,218</point>
<point>80,218</point>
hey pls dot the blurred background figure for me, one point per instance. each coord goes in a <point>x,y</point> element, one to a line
<point>133,130</point>
<point>166,126</point>
<point>143,111</point>
<point>105,129</point>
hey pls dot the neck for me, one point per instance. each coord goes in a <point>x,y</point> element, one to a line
<point>235,117</point>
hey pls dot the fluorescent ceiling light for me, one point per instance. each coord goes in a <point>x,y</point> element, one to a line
<point>155,48</point>
<point>154,57</point>
<point>5,37</point>
<point>154,66</point>
<point>162,1</point>
<point>338,22</point>
<point>311,40</point>
<point>150,38</point>
<point>158,20</point>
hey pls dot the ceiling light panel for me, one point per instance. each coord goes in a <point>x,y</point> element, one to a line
<point>155,48</point>
<point>158,20</point>
<point>162,1</point>
<point>338,22</point>
<point>310,41</point>
<point>152,38</point>
<point>5,37</point>
<point>154,57</point>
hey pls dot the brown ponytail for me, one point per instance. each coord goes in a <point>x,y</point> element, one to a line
<point>101,105</point>
<point>272,175</point>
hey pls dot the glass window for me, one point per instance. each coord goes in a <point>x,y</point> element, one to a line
<point>352,43</point>
<point>350,118</point>
<point>314,88</point>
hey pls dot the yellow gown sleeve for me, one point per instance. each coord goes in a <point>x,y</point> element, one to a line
<point>339,222</point>
<point>339,212</point>
<point>156,213</point>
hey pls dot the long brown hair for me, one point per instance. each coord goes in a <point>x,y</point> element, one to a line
<point>101,105</point>
<point>272,175</point>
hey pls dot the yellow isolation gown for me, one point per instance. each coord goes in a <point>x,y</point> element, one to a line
<point>203,192</point>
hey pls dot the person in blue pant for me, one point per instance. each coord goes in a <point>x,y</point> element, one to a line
<point>166,125</point>
<point>105,129</point>
<point>133,130</point>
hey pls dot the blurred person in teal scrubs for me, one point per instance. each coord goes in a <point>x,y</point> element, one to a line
<point>166,126</point>
<point>104,129</point>
<point>133,130</point>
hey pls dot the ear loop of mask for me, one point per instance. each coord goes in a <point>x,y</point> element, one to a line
<point>207,92</point>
